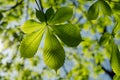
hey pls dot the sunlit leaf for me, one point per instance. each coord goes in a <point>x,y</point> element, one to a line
<point>105,7</point>
<point>49,13</point>
<point>40,15</point>
<point>116,28</point>
<point>105,38</point>
<point>93,11</point>
<point>54,54</point>
<point>63,14</point>
<point>68,33</point>
<point>116,77</point>
<point>30,44</point>
<point>115,58</point>
<point>31,26</point>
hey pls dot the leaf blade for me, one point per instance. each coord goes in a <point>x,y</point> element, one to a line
<point>105,7</point>
<point>105,38</point>
<point>40,16</point>
<point>49,13</point>
<point>54,54</point>
<point>93,11</point>
<point>62,14</point>
<point>68,33</point>
<point>31,26</point>
<point>30,44</point>
<point>115,57</point>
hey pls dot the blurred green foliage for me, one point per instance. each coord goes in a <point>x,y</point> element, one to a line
<point>84,62</point>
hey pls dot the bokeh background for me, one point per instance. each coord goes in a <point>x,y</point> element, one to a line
<point>88,61</point>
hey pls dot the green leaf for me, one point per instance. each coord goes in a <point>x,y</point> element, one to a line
<point>116,28</point>
<point>116,77</point>
<point>40,15</point>
<point>115,58</point>
<point>93,11</point>
<point>105,38</point>
<point>63,14</point>
<point>30,44</point>
<point>49,13</point>
<point>54,54</point>
<point>68,33</point>
<point>1,16</point>
<point>31,26</point>
<point>105,7</point>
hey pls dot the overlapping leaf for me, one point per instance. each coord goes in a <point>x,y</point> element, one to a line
<point>93,11</point>
<point>54,54</point>
<point>31,26</point>
<point>63,14</point>
<point>105,7</point>
<point>115,58</point>
<point>40,15</point>
<point>68,33</point>
<point>49,13</point>
<point>30,44</point>
<point>105,38</point>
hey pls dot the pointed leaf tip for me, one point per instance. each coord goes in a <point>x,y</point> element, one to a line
<point>93,11</point>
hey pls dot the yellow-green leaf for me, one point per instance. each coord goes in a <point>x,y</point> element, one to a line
<point>105,38</point>
<point>31,26</point>
<point>54,54</point>
<point>68,33</point>
<point>115,58</point>
<point>30,44</point>
<point>63,14</point>
<point>105,7</point>
<point>93,11</point>
<point>116,77</point>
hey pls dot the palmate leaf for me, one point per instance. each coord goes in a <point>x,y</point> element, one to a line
<point>54,54</point>
<point>105,7</point>
<point>115,58</point>
<point>30,44</point>
<point>68,33</point>
<point>31,26</point>
<point>93,11</point>
<point>63,14</point>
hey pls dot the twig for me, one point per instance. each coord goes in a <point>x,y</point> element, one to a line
<point>38,5</point>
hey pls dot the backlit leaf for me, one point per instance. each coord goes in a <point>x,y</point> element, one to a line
<point>54,54</point>
<point>31,26</point>
<point>115,58</point>
<point>93,11</point>
<point>116,77</point>
<point>105,38</point>
<point>63,14</point>
<point>68,33</point>
<point>116,28</point>
<point>105,7</point>
<point>30,44</point>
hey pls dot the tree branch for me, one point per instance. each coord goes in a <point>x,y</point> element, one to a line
<point>110,73</point>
